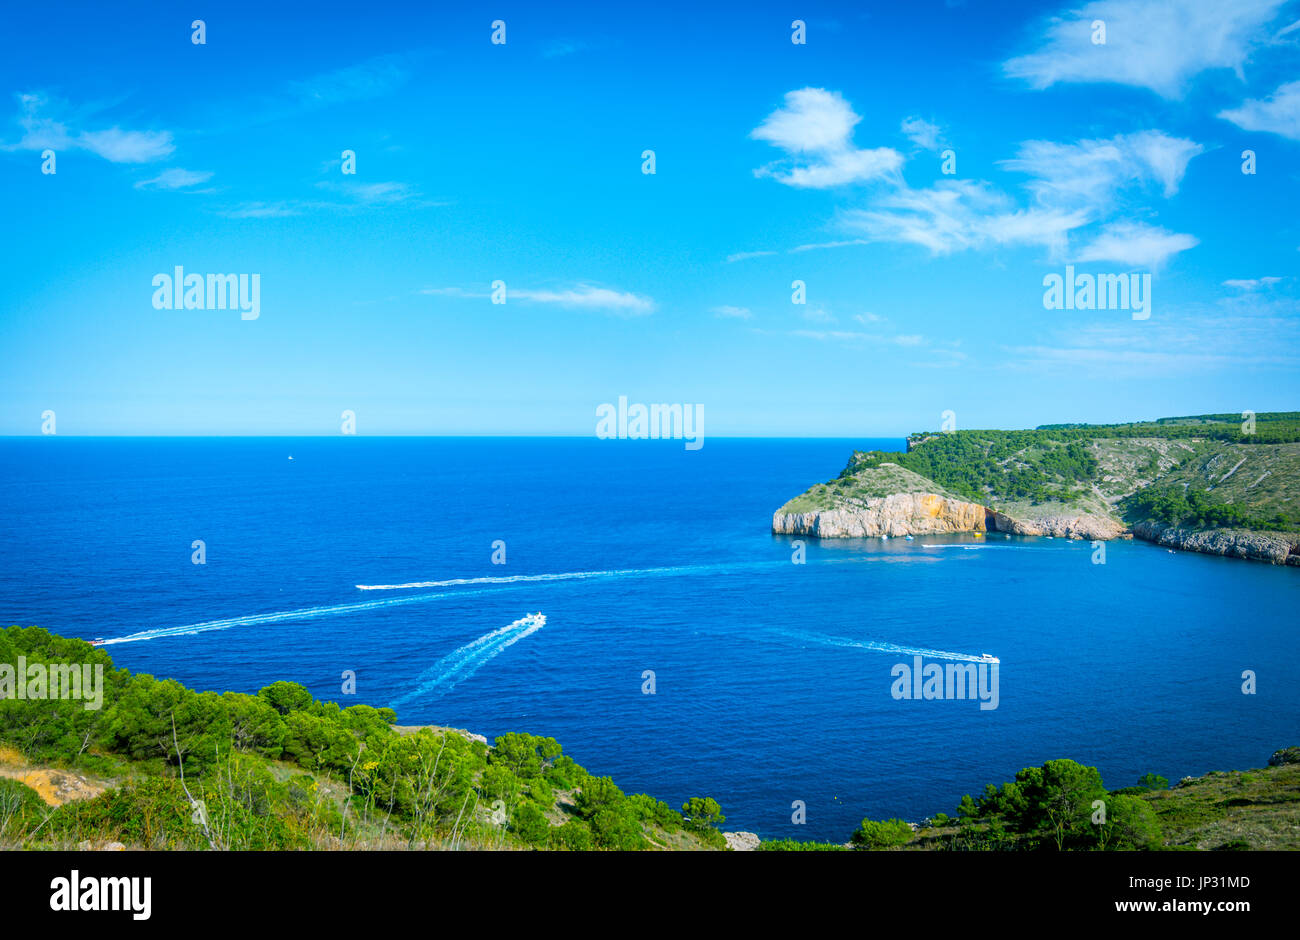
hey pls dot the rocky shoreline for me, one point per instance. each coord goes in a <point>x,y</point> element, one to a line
<point>1275,548</point>
<point>902,514</point>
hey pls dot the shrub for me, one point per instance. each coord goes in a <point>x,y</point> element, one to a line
<point>882,835</point>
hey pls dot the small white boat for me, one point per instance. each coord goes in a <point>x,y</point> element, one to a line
<point>291,456</point>
<point>909,538</point>
<point>989,658</point>
<point>884,538</point>
<point>97,641</point>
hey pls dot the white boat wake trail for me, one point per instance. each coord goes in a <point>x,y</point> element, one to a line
<point>462,663</point>
<point>283,616</point>
<point>573,576</point>
<point>630,572</point>
<point>878,645</point>
<point>467,659</point>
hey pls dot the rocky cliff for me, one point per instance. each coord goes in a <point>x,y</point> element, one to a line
<point>930,514</point>
<point>1076,483</point>
<point>897,514</point>
<point>1088,526</point>
<point>1279,549</point>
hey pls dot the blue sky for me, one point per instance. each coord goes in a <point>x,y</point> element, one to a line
<point>521,162</point>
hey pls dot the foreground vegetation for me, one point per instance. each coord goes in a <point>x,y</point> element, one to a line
<point>160,766</point>
<point>181,769</point>
<point>1064,806</point>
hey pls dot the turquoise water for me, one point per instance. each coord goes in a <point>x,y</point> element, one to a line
<point>772,679</point>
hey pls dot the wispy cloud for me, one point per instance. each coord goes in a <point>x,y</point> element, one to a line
<point>1072,185</point>
<point>1233,333</point>
<point>1092,173</point>
<point>261,210</point>
<point>1252,284</point>
<point>558,48</point>
<point>372,78</point>
<point>1136,245</point>
<point>815,127</point>
<point>1279,114</point>
<point>857,337</point>
<point>175,178</point>
<point>46,125</point>
<point>586,297</point>
<point>956,215</point>
<point>746,255</point>
<point>353,196</point>
<point>923,133</point>
<point>727,311</point>
<point>385,193</point>
<point>1154,44</point>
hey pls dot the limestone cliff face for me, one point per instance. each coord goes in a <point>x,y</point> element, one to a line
<point>898,514</point>
<point>1253,545</point>
<point>1079,526</point>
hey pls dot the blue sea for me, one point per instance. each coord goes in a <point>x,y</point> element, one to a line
<point>771,679</point>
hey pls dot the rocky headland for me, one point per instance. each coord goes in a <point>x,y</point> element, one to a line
<point>1192,484</point>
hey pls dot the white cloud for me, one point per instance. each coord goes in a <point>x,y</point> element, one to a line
<point>453,292</point>
<point>955,215</point>
<point>365,80</point>
<point>818,315</point>
<point>1135,244</point>
<point>587,297</point>
<point>1252,284</point>
<point>176,178</point>
<point>1073,185</point>
<point>730,312</point>
<point>923,133</point>
<point>746,255</point>
<point>558,48</point>
<point>840,243</point>
<point>1154,44</point>
<point>578,297</point>
<point>372,194</point>
<point>858,337</point>
<point>1232,333</point>
<point>1091,173</point>
<point>816,128</point>
<point>261,210</point>
<point>1279,114</point>
<point>41,131</point>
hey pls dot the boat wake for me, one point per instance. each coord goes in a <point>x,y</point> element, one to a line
<point>462,663</point>
<point>284,616</point>
<point>479,586</point>
<point>570,576</point>
<point>667,571</point>
<point>821,639</point>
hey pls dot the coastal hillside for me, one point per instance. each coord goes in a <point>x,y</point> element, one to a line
<point>1063,805</point>
<point>1212,483</point>
<point>160,766</point>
